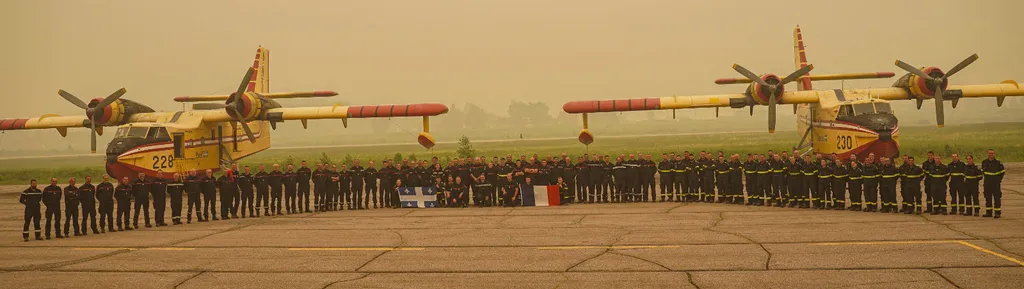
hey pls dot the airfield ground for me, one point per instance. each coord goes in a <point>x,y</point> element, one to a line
<point>579,246</point>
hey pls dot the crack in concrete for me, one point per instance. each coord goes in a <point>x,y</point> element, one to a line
<point>606,250</point>
<point>346,280</point>
<point>641,259</point>
<point>370,261</point>
<point>944,278</point>
<point>401,238</point>
<point>689,277</point>
<point>721,217</point>
<point>188,279</point>
<point>950,227</point>
<point>564,279</point>
<point>55,265</point>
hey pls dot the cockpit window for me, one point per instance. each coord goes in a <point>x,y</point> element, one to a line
<point>863,108</point>
<point>139,132</point>
<point>121,132</point>
<point>845,110</point>
<point>882,107</point>
<point>158,134</point>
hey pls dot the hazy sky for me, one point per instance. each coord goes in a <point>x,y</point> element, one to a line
<point>452,51</point>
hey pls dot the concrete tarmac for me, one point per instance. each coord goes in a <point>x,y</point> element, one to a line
<point>640,245</point>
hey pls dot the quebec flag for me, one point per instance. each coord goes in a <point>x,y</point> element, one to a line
<point>418,197</point>
<point>540,196</point>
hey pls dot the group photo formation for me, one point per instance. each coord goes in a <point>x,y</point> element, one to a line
<point>824,182</point>
<point>512,144</point>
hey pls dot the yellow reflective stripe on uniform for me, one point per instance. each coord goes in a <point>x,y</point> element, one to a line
<point>723,172</point>
<point>914,176</point>
<point>995,173</point>
<point>974,177</point>
<point>888,176</point>
<point>956,174</point>
<point>839,176</point>
<point>824,176</point>
<point>939,176</point>
<point>855,178</point>
<point>664,171</point>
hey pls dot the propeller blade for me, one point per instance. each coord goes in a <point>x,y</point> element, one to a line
<point>93,134</point>
<point>72,99</point>
<point>962,64</point>
<point>919,103</point>
<point>751,110</point>
<point>940,117</point>
<point>796,74</point>
<point>248,132</point>
<point>245,82</point>
<point>912,69</point>
<point>750,75</point>
<point>771,112</point>
<point>113,96</point>
<point>208,106</point>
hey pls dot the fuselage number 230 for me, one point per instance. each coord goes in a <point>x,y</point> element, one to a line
<point>844,142</point>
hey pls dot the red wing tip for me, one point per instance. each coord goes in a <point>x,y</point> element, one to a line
<point>886,74</point>
<point>322,93</point>
<point>181,98</point>
<point>725,81</point>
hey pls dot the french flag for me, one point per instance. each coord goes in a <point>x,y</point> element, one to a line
<point>541,196</point>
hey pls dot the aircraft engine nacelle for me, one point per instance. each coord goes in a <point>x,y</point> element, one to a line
<point>918,86</point>
<point>248,106</point>
<point>760,93</point>
<point>116,113</point>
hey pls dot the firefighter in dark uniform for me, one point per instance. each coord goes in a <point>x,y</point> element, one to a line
<point>236,196</point>
<point>855,184</point>
<point>779,173</point>
<point>481,192</point>
<point>735,179</point>
<point>569,176</point>
<point>174,188</point>
<point>887,186</point>
<point>158,190</point>
<point>304,174</point>
<point>994,171</point>
<point>870,173</point>
<point>722,180</point>
<point>140,190</point>
<point>290,180</point>
<point>609,182</point>
<point>490,176</point>
<point>123,194</point>
<point>927,166</point>
<point>972,178</point>
<point>822,199</point>
<point>840,175</point>
<point>244,179</point>
<point>750,176</point>
<point>583,183</point>
<point>276,181</point>
<point>794,178</point>
<point>87,196</point>
<point>649,168</point>
<point>331,192</point>
<point>357,176</point>
<point>707,180</point>
<point>596,167</point>
<point>907,203</point>
<point>71,202</point>
<point>619,171</point>
<point>810,171</point>
<point>912,176</point>
<point>693,178</point>
<point>208,184</point>
<point>764,179</point>
<point>30,198</point>
<point>956,182</point>
<point>319,186</point>
<point>51,198</point>
<point>193,191</point>
<point>344,196</point>
<point>372,191</point>
<point>387,182</point>
<point>679,182</point>
<point>939,177</point>
<point>665,176</point>
<point>227,185</point>
<point>105,196</point>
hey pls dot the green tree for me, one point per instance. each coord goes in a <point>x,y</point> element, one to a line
<point>412,157</point>
<point>348,159</point>
<point>397,159</point>
<point>324,159</point>
<point>465,148</point>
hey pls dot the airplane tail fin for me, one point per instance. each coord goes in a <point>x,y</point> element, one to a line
<point>260,82</point>
<point>800,57</point>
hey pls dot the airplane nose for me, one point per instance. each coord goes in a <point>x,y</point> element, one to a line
<point>881,122</point>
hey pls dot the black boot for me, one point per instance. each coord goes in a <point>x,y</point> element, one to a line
<point>997,215</point>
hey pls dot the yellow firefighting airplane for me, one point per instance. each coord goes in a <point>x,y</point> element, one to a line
<point>209,136</point>
<point>841,121</point>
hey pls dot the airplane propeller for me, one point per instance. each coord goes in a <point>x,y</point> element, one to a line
<point>233,104</point>
<point>940,117</point>
<point>773,89</point>
<point>94,112</point>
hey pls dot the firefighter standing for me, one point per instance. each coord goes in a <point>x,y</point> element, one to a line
<point>357,175</point>
<point>994,171</point>
<point>193,189</point>
<point>939,175</point>
<point>810,171</point>
<point>794,182</point>
<point>290,180</point>
<point>956,182</point>
<point>275,180</point>
<point>912,175</point>
<point>262,183</point>
<point>665,176</point>
<point>30,198</point>
<point>245,187</point>
<point>927,166</point>
<point>972,177</point>
<point>778,180</point>
<point>722,180</point>
<point>158,190</point>
<point>333,178</point>
<point>822,199</point>
<point>887,186</point>
<point>840,176</point>
<point>319,186</point>
<point>370,178</point>
<point>51,198</point>
<point>105,195</point>
<point>208,184</point>
<point>227,186</point>
<point>71,202</point>
<point>736,179</point>
<point>304,174</point>
<point>87,196</point>
<point>174,188</point>
<point>750,175</point>
<point>123,194</point>
<point>871,173</point>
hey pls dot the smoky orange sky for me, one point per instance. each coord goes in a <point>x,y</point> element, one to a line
<point>487,52</point>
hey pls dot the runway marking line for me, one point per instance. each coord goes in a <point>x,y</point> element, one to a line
<point>961,242</point>
<point>607,247</point>
<point>133,249</point>
<point>356,249</point>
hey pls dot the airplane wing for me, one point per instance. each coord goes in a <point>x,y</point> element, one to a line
<point>999,91</point>
<point>276,95</point>
<point>684,102</point>
<point>61,123</point>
